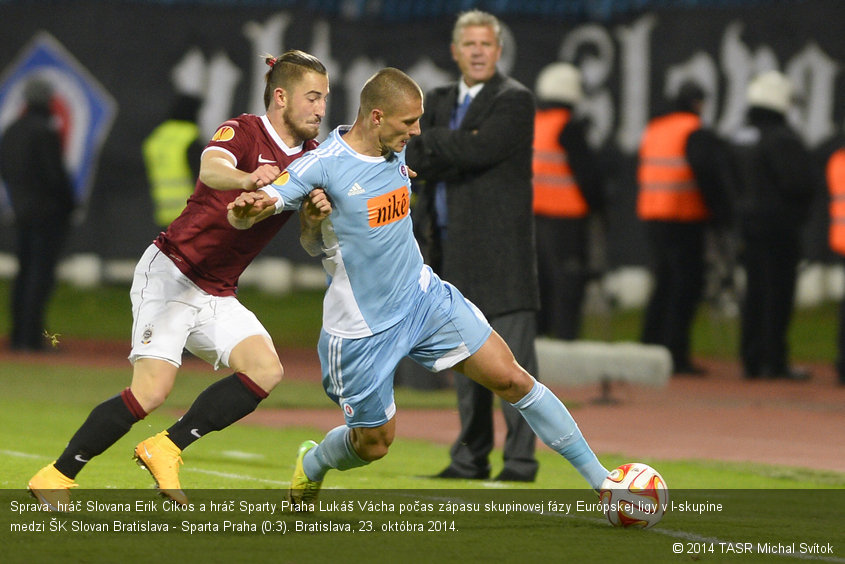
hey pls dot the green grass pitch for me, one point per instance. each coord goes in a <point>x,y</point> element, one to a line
<point>764,512</point>
<point>235,476</point>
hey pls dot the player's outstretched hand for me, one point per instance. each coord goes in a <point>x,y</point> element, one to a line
<point>250,207</point>
<point>250,203</point>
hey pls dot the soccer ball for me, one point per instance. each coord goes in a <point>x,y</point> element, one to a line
<point>634,495</point>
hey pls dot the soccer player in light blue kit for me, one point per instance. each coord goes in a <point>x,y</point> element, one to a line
<point>383,303</point>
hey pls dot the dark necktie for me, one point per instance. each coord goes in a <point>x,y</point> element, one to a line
<point>459,112</point>
<point>440,190</point>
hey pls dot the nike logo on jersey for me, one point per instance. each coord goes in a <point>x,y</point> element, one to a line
<point>80,459</point>
<point>355,190</point>
<point>196,432</point>
<point>390,207</point>
<point>262,160</point>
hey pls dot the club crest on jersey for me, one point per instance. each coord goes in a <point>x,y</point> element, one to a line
<point>224,133</point>
<point>147,336</point>
<point>388,208</point>
<point>347,409</point>
<point>403,170</point>
<point>282,179</point>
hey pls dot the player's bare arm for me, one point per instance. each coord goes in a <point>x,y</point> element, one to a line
<point>249,208</point>
<point>312,213</point>
<point>217,171</point>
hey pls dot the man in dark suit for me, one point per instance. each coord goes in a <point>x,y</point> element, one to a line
<point>473,160</point>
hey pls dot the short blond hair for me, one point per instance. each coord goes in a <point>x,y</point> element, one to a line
<point>476,18</point>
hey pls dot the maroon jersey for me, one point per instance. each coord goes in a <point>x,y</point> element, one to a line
<point>201,243</point>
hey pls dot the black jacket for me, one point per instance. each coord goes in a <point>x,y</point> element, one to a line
<point>777,178</point>
<point>715,175</point>
<point>490,254</point>
<point>583,161</point>
<point>32,168</point>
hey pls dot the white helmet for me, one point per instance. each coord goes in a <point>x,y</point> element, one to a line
<point>559,82</point>
<point>771,90</point>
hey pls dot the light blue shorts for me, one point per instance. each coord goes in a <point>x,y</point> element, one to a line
<point>442,329</point>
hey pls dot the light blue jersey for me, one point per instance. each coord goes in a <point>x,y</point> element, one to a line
<point>383,304</point>
<point>368,239</point>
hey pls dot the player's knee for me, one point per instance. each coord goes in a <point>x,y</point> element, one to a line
<point>151,398</point>
<point>513,385</point>
<point>256,357</point>
<point>372,446</point>
<point>152,380</point>
<point>272,375</point>
<point>267,374</point>
<point>374,451</point>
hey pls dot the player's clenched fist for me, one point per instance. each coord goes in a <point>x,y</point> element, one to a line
<point>263,176</point>
<point>317,207</point>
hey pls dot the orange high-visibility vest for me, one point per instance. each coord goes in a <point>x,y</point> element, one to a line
<point>668,191</point>
<point>556,193</point>
<point>836,186</point>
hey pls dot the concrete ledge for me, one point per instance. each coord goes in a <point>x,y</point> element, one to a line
<point>584,363</point>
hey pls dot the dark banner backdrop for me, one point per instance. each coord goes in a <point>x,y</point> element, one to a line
<point>127,53</point>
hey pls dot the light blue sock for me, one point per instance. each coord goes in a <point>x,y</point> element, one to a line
<point>555,426</point>
<point>334,452</point>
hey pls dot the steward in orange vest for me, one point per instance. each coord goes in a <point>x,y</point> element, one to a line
<point>668,190</point>
<point>568,187</point>
<point>685,178</point>
<point>556,193</point>
<point>836,187</point>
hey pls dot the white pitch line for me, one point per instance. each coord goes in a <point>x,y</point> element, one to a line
<point>17,454</point>
<point>236,476</point>
<point>241,455</point>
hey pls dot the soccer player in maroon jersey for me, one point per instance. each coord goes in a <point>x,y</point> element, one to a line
<point>184,289</point>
